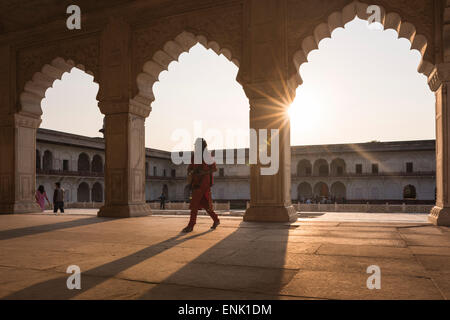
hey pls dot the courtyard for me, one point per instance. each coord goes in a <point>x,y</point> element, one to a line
<point>321,256</point>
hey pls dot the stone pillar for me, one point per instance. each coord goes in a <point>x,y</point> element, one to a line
<point>270,198</point>
<point>264,74</point>
<point>124,127</point>
<point>125,166</point>
<point>18,163</point>
<point>17,145</point>
<point>440,83</point>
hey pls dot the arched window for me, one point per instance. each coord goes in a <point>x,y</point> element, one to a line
<point>304,191</point>
<point>97,164</point>
<point>321,168</point>
<point>84,163</point>
<point>321,190</point>
<point>304,168</point>
<point>97,192</point>
<point>338,167</point>
<point>338,190</point>
<point>409,192</point>
<point>47,161</point>
<point>83,192</point>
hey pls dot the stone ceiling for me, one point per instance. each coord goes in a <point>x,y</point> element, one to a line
<point>17,15</point>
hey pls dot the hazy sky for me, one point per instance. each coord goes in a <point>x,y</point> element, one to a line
<point>361,85</point>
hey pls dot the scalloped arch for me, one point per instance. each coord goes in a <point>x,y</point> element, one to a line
<point>339,19</point>
<point>161,59</point>
<point>34,90</point>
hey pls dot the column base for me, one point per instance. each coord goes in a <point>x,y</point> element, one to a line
<point>19,207</point>
<point>125,211</point>
<point>440,216</point>
<point>271,214</point>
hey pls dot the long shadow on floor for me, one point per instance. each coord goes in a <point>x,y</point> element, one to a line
<point>250,269</point>
<point>56,289</point>
<point>21,232</point>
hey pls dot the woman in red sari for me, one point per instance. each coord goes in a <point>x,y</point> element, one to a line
<point>201,181</point>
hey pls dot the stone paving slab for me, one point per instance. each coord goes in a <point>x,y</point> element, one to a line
<point>365,251</point>
<point>148,258</point>
<point>338,285</point>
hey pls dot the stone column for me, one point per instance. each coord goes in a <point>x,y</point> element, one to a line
<point>440,83</point>
<point>18,163</point>
<point>17,145</point>
<point>124,127</point>
<point>270,195</point>
<point>264,74</point>
<point>124,166</point>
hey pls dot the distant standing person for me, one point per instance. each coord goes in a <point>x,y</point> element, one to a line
<point>162,201</point>
<point>58,198</point>
<point>41,196</point>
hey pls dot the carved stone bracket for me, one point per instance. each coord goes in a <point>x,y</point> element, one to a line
<point>440,75</point>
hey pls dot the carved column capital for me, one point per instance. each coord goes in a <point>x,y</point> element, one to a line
<point>17,120</point>
<point>440,75</point>
<point>277,91</point>
<point>132,106</point>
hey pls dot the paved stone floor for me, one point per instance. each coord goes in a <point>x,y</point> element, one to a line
<point>304,216</point>
<point>147,258</point>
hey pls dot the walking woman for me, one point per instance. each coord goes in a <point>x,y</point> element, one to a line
<point>201,180</point>
<point>41,196</point>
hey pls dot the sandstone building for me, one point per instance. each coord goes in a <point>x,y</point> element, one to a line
<point>376,172</point>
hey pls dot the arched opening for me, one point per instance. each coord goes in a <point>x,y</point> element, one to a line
<point>97,164</point>
<point>304,191</point>
<point>38,160</point>
<point>364,83</point>
<point>338,191</point>
<point>338,167</point>
<point>304,168</point>
<point>384,80</point>
<point>321,190</point>
<point>47,160</point>
<point>65,95</point>
<point>409,192</point>
<point>213,93</point>
<point>321,168</point>
<point>83,193</point>
<point>97,192</point>
<point>83,163</point>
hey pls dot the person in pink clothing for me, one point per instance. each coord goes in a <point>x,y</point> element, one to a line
<point>41,196</point>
